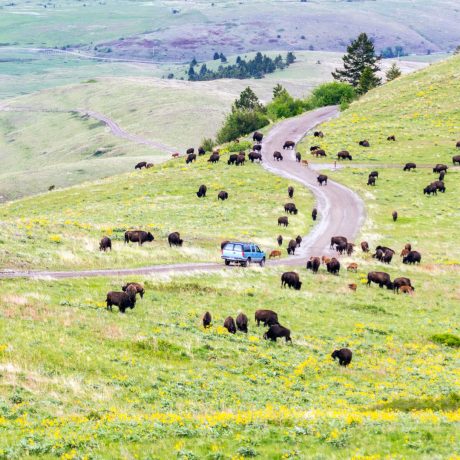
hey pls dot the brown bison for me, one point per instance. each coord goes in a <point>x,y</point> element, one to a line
<point>350,248</point>
<point>399,282</point>
<point>280,240</point>
<point>201,151</point>
<point>290,208</point>
<point>298,240</point>
<point>353,287</point>
<point>229,324</point>
<point>318,134</point>
<point>344,155</point>
<point>406,290</point>
<point>430,190</point>
<point>391,138</point>
<point>202,191</point>
<point>277,331</point>
<point>364,143</point>
<point>333,266</point>
<point>138,236</point>
<point>325,260</point>
<point>394,214</point>
<point>439,184</point>
<point>313,264</point>
<point>274,254</point>
<point>242,323</point>
<point>137,286</point>
<point>322,178</point>
<point>283,221</point>
<point>314,214</point>
<point>267,317</point>
<point>257,147</point>
<point>290,191</point>
<point>277,156</point>
<point>223,195</point>
<point>291,247</point>
<point>257,137</point>
<point>364,246</point>
<point>408,246</point>
<point>314,147</point>
<point>289,145</point>
<point>344,356</point>
<point>305,163</point>
<point>175,155</point>
<point>371,180</point>
<point>232,159</point>
<point>409,166</point>
<point>413,257</point>
<point>123,300</point>
<point>105,243</point>
<point>253,156</point>
<point>214,158</point>
<point>207,319</point>
<point>319,153</point>
<point>174,239</point>
<point>387,256</point>
<point>190,150</point>
<point>298,157</point>
<point>291,280</point>
<point>380,278</point>
<point>440,167</point>
<point>141,165</point>
<point>404,252</point>
<point>338,241</point>
<point>240,159</point>
<point>191,157</point>
<point>456,159</point>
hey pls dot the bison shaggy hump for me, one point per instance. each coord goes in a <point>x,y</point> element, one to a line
<point>106,243</point>
<point>242,322</point>
<point>174,239</point>
<point>412,257</point>
<point>277,331</point>
<point>229,324</point>
<point>137,286</point>
<point>202,191</point>
<point>344,356</point>
<point>267,317</point>
<point>291,279</point>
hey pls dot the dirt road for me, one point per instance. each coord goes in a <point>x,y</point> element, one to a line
<point>341,211</point>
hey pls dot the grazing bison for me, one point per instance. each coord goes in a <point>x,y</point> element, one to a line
<point>277,156</point>
<point>341,248</point>
<point>371,180</point>
<point>313,264</point>
<point>333,266</point>
<point>441,175</point>
<point>395,216</point>
<point>338,241</point>
<point>149,165</point>
<point>439,184</point>
<point>319,153</point>
<point>175,155</point>
<point>223,195</point>
<point>201,151</point>
<point>291,247</point>
<point>242,323</point>
<point>267,317</point>
<point>290,208</point>
<point>298,157</point>
<point>190,150</point>
<point>456,159</point>
<point>402,281</point>
<point>253,156</point>
<point>314,147</point>
<point>430,190</point>
<point>288,145</point>
<point>283,221</point>
<point>314,213</point>
<point>364,143</point>
<point>350,248</point>
<point>138,236</point>
<point>387,256</point>
<point>232,159</point>
<point>322,178</point>
<point>298,240</point>
<point>122,300</point>
<point>291,279</point>
<point>318,134</point>
<point>257,137</point>
<point>391,138</point>
<point>277,331</point>
<point>137,286</point>
<point>174,239</point>
<point>413,257</point>
<point>440,167</point>
<point>280,240</point>
<point>202,191</point>
<point>344,356</point>
<point>409,166</point>
<point>257,148</point>
<point>406,290</point>
<point>374,174</point>
<point>207,319</point>
<point>353,267</point>
<point>290,191</point>
<point>214,158</point>
<point>105,243</point>
<point>51,188</point>
<point>353,287</point>
<point>344,155</point>
<point>365,246</point>
<point>240,159</point>
<point>141,165</point>
<point>380,278</point>
<point>274,253</point>
<point>191,157</point>
<point>229,324</point>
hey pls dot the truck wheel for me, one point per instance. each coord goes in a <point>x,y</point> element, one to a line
<point>244,263</point>
<point>248,262</point>
<point>227,262</point>
<point>262,262</point>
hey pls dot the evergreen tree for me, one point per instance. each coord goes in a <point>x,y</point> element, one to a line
<point>222,58</point>
<point>203,71</point>
<point>393,72</point>
<point>290,58</point>
<point>193,63</point>
<point>367,81</point>
<point>191,73</point>
<point>360,56</point>
<point>248,101</point>
<point>277,91</point>
<point>216,56</point>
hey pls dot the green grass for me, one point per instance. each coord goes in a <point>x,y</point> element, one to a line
<point>62,229</point>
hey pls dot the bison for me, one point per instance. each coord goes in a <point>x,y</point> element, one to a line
<point>242,323</point>
<point>201,151</point>
<point>456,159</point>
<point>267,317</point>
<point>313,264</point>
<point>137,286</point>
<point>350,248</point>
<point>365,246</point>
<point>371,180</point>
<point>240,159</point>
<point>298,240</point>
<point>318,134</point>
<point>319,153</point>
<point>138,236</point>
<point>430,190</point>
<point>394,214</point>
<point>257,148</point>
<point>141,165</point>
<point>344,155</point>
<point>387,256</point>
<point>380,278</point>
<point>333,266</point>
<point>441,175</point>
<point>292,247</point>
<point>257,137</point>
<point>364,143</point>
<point>402,281</point>
<point>290,191</point>
<point>149,165</point>
<point>280,240</point>
<point>202,191</point>
<point>214,158</point>
<point>291,279</point>
<point>338,241</point>
<point>412,257</point>
<point>277,156</point>
<point>409,166</point>
<point>353,287</point>
<point>440,167</point>
<point>253,156</point>
<point>322,178</point>
<point>391,138</point>
<point>374,174</point>
<point>290,208</point>
<point>174,239</point>
<point>277,331</point>
<point>123,300</point>
<point>314,214</point>
<point>207,319</point>
<point>314,147</point>
<point>229,324</point>
<point>191,157</point>
<point>289,145</point>
<point>274,253</point>
<point>344,356</point>
<point>232,159</point>
<point>298,157</point>
<point>105,243</point>
<point>439,184</point>
<point>283,221</point>
<point>406,290</point>
<point>223,195</point>
<point>353,267</point>
<point>190,151</point>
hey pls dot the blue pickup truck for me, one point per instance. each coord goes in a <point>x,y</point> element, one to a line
<point>243,253</point>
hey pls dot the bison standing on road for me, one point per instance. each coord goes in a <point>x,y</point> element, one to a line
<point>314,214</point>
<point>291,279</point>
<point>344,356</point>
<point>202,191</point>
<point>322,178</point>
<point>257,147</point>
<point>440,167</point>
<point>298,240</point>
<point>298,157</point>
<point>338,241</point>
<point>289,145</point>
<point>267,317</point>
<point>257,137</point>
<point>277,331</point>
<point>291,247</point>
<point>277,156</point>
<point>138,236</point>
<point>174,239</point>
<point>105,243</point>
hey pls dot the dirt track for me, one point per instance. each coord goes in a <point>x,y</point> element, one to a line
<point>341,211</point>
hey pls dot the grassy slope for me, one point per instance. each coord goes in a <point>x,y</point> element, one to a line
<point>162,200</point>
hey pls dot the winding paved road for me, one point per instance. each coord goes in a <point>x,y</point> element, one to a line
<point>341,211</point>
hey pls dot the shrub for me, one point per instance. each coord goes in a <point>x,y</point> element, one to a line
<point>447,339</point>
<point>208,144</point>
<point>332,94</point>
<point>240,123</point>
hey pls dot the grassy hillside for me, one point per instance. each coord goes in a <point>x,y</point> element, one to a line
<point>62,229</point>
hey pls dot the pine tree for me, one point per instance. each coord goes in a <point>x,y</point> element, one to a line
<point>216,56</point>
<point>367,81</point>
<point>277,91</point>
<point>248,101</point>
<point>393,72</point>
<point>360,55</point>
<point>193,63</point>
<point>290,58</point>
